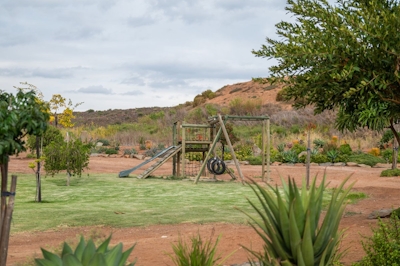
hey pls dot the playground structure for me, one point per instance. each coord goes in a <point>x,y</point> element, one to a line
<point>202,139</point>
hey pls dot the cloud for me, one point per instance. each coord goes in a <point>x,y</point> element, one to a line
<point>134,93</point>
<point>57,73</point>
<point>99,89</point>
<point>140,21</point>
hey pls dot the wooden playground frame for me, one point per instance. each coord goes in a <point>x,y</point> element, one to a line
<point>206,137</point>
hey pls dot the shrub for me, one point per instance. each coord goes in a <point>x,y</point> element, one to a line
<point>383,247</point>
<point>332,155</point>
<point>295,129</point>
<point>386,138</point>
<point>254,160</point>
<point>142,147</point>
<point>243,151</point>
<point>87,254</point>
<point>318,143</point>
<point>111,151</point>
<point>289,224</point>
<point>198,253</point>
<point>319,158</point>
<point>390,172</point>
<point>208,94</point>
<point>51,134</point>
<point>289,156</point>
<point>104,141</point>
<point>345,149</point>
<point>375,151</point>
<point>298,148</point>
<point>365,158</point>
<point>198,100</point>
<point>280,96</point>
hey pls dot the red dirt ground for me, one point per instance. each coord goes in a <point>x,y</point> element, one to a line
<point>154,242</point>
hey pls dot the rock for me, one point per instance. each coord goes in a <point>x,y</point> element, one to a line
<point>351,164</point>
<point>383,213</point>
<point>256,150</point>
<point>276,163</point>
<point>127,156</point>
<point>244,162</point>
<point>302,153</point>
<point>299,164</point>
<point>94,155</point>
<point>383,165</point>
<point>364,165</point>
<point>99,144</point>
<point>138,156</point>
<point>339,164</point>
<point>314,164</point>
<point>325,164</point>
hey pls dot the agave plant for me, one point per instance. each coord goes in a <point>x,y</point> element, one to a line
<point>87,254</point>
<point>288,221</point>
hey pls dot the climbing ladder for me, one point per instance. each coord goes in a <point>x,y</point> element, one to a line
<point>162,157</point>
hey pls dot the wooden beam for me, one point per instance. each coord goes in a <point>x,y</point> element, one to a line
<point>228,141</point>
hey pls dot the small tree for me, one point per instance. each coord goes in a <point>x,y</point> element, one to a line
<point>20,115</point>
<point>58,102</point>
<point>71,156</point>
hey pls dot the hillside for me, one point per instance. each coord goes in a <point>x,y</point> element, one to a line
<point>244,91</point>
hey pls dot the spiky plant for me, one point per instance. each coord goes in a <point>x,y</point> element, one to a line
<point>87,254</point>
<point>288,221</point>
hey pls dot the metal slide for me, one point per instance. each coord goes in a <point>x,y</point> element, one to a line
<point>164,154</point>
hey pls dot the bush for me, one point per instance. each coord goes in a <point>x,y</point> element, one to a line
<point>104,141</point>
<point>390,172</point>
<point>345,149</point>
<point>318,143</point>
<point>254,160</point>
<point>111,151</point>
<point>365,158</point>
<point>319,158</point>
<point>87,254</point>
<point>383,247</point>
<point>298,148</point>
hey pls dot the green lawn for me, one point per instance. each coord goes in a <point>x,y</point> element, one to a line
<point>102,199</point>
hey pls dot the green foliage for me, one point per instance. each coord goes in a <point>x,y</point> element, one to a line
<point>388,155</point>
<point>298,148</point>
<point>332,155</point>
<point>382,248</point>
<point>243,151</point>
<point>295,129</point>
<point>232,135</point>
<point>72,156</point>
<point>51,134</point>
<point>319,158</point>
<point>130,151</point>
<point>280,96</point>
<point>196,253</point>
<point>110,151</point>
<point>281,147</point>
<point>87,254</point>
<point>318,143</point>
<point>211,110</point>
<point>289,223</point>
<point>105,142</point>
<point>157,115</point>
<point>340,56</point>
<point>254,160</point>
<point>239,106</point>
<point>345,149</point>
<point>289,156</point>
<point>21,114</point>
<point>198,100</point>
<point>142,147</point>
<point>208,94</point>
<point>365,158</point>
<point>390,172</point>
<point>386,138</point>
<point>279,130</point>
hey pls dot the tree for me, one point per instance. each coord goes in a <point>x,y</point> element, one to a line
<point>344,56</point>
<point>58,102</point>
<point>71,156</point>
<point>20,114</point>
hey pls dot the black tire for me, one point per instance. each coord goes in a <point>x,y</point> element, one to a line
<point>218,167</point>
<point>209,164</point>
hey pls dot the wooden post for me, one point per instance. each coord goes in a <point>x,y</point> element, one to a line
<point>228,141</point>
<point>174,142</point>
<point>38,181</point>
<point>183,150</point>
<point>4,177</point>
<point>203,166</point>
<point>395,153</point>
<point>5,229</point>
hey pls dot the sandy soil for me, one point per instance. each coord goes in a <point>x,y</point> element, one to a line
<point>154,242</point>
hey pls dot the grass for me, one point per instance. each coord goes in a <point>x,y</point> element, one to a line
<point>102,199</point>
<point>124,202</point>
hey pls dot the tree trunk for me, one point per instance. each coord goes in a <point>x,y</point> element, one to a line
<point>395,144</point>
<point>4,176</point>
<point>38,181</point>
<point>308,158</point>
<point>5,229</point>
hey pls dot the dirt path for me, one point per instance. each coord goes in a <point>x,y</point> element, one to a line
<point>154,242</point>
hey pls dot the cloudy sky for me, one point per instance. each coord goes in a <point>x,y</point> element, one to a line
<point>120,54</point>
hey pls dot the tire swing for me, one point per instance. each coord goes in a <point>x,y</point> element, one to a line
<point>216,166</point>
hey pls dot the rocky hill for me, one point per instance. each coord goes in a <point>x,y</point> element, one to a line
<point>250,90</point>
